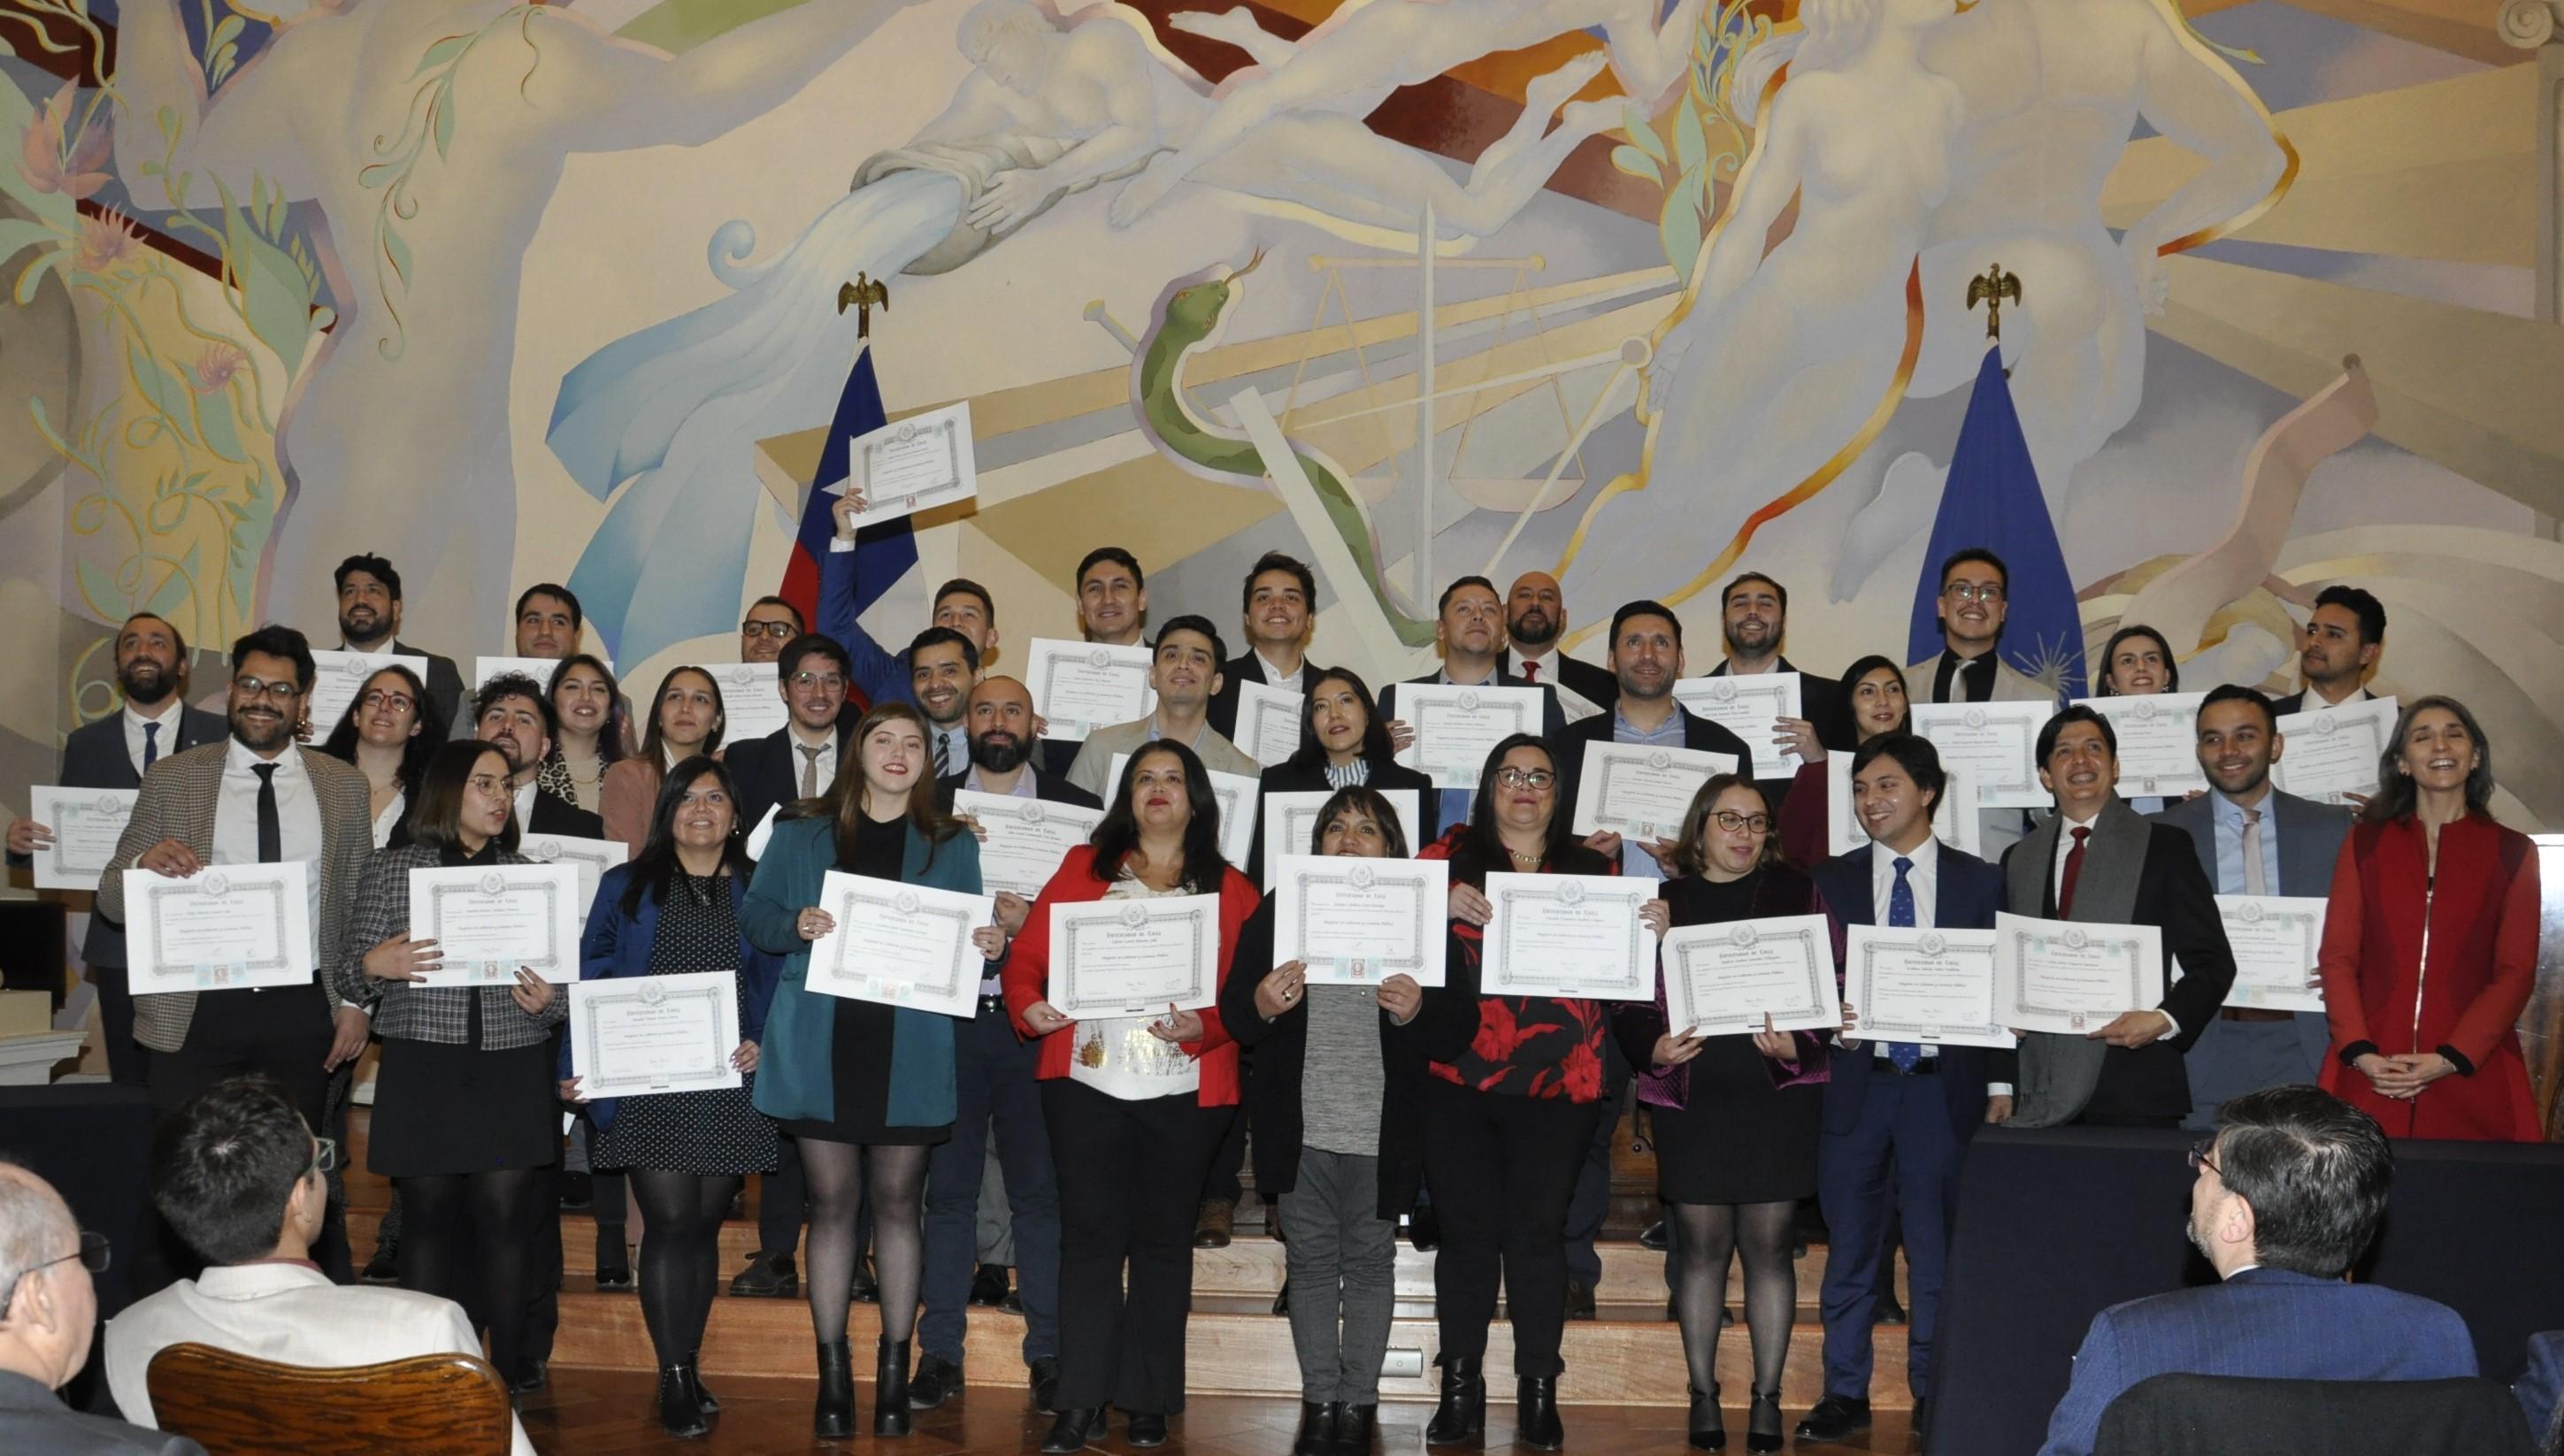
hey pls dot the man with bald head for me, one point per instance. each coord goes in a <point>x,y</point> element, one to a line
<point>48,1314</point>
<point>1535,620</point>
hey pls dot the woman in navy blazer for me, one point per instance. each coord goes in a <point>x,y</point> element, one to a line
<point>865,1089</point>
<point>676,910</point>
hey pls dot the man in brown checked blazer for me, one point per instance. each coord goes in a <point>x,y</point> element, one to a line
<point>255,797</point>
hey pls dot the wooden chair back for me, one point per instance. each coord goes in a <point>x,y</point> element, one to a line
<point>426,1405</point>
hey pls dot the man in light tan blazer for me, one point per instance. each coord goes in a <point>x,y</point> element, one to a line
<point>1974,600</point>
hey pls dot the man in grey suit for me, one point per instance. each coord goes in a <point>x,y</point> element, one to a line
<point>48,1314</point>
<point>2253,840</point>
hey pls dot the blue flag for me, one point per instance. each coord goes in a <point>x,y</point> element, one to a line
<point>832,588</point>
<point>1992,500</point>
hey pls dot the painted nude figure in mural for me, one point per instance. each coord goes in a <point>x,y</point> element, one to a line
<point>422,244</point>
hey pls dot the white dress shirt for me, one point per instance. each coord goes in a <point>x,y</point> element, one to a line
<point>1276,678</point>
<point>173,711</point>
<point>298,815</point>
<point>525,806</point>
<point>824,766</point>
<point>1923,877</point>
<point>2066,828</point>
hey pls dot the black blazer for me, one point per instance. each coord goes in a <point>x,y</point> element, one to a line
<point>1824,703</point>
<point>2174,895</point>
<point>1246,667</point>
<point>556,815</point>
<point>1048,788</point>
<point>2296,702</point>
<point>444,681</point>
<point>1593,684</point>
<point>769,772</point>
<point>1282,778</point>
<point>1698,732</point>
<point>1967,892</point>
<point>1553,719</point>
<point>94,757</point>
<point>1273,1074</point>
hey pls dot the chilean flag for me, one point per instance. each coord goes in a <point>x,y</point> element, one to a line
<point>832,588</point>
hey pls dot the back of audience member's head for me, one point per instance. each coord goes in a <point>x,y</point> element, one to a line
<point>225,1166</point>
<point>2314,1170</point>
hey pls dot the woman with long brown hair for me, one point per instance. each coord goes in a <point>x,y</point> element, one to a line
<point>685,718</point>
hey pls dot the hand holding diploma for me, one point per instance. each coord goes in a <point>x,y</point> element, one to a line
<point>1178,1027</point>
<point>1279,991</point>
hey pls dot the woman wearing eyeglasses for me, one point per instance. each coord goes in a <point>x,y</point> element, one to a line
<point>685,718</point>
<point>595,730</point>
<point>1736,1118</point>
<point>1875,687</point>
<point>389,732</point>
<point>1515,1088</point>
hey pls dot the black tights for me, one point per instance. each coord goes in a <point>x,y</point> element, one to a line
<point>470,1239</point>
<point>843,1177</point>
<point>680,1220</point>
<point>1710,1235</point>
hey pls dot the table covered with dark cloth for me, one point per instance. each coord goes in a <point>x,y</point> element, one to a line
<point>2054,1225</point>
<point>92,1141</point>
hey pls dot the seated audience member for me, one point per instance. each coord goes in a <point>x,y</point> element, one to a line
<point>46,1318</point>
<point>239,1176</point>
<point>2290,1193</point>
<point>2538,1388</point>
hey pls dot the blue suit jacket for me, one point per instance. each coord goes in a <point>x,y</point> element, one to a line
<point>617,944</point>
<point>1966,895</point>
<point>2310,836</point>
<point>2266,1323</point>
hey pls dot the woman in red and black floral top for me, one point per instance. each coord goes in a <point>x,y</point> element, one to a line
<point>1508,1110</point>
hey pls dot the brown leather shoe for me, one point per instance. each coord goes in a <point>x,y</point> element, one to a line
<point>1216,1225</point>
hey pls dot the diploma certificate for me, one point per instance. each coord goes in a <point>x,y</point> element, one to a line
<point>1640,791</point>
<point>1291,820</point>
<point>2158,742</point>
<point>1955,820</point>
<point>540,669</point>
<point>1268,723</point>
<point>751,707</point>
<point>1358,922</point>
<point>914,465</point>
<point>1027,838</point>
<point>632,1036</point>
<point>1079,686</point>
<point>2330,754</point>
<point>488,920</point>
<point>1749,707</point>
<point>1235,795</point>
<point>1931,986</point>
<point>223,928</point>
<point>1134,957</point>
<point>590,857</point>
<point>1996,743</point>
<point>338,676</point>
<point>1724,979</point>
<point>2277,938</point>
<point>899,944</point>
<point>1455,727</point>
<point>1572,936</point>
<point>86,823</point>
<point>2073,976</point>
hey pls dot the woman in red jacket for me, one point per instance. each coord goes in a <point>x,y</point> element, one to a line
<point>1136,1106</point>
<point>2430,946</point>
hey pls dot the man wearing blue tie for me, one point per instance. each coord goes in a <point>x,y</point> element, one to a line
<point>1898,1115</point>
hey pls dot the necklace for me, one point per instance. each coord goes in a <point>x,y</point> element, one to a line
<point>1520,858</point>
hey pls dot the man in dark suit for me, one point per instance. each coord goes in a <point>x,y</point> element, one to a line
<point>2097,861</point>
<point>1280,616</point>
<point>1898,1115</point>
<point>2289,1195</point>
<point>369,619</point>
<point>2253,840</point>
<point>1469,628</point>
<point>1646,662</point>
<point>1754,615</point>
<point>800,759</point>
<point>1535,620</point>
<point>2344,638</point>
<point>114,752</point>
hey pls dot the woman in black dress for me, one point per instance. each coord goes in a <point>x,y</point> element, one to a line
<point>671,912</point>
<point>1736,1117</point>
<point>465,1106</point>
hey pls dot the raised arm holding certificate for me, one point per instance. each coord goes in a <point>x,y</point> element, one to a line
<point>917,463</point>
<point>1923,985</point>
<point>488,920</point>
<point>1291,820</point>
<point>1996,743</point>
<point>221,929</point>
<point>1578,937</point>
<point>2275,939</point>
<point>1027,838</point>
<point>336,679</point>
<point>1356,921</point>
<point>1268,723</point>
<point>2333,752</point>
<point>86,822</point>
<point>2158,742</point>
<point>2074,978</point>
<point>1640,791</point>
<point>1738,978</point>
<point>1955,820</point>
<point>1134,957</point>
<point>1079,686</point>
<point>899,944</point>
<point>1455,727</point>
<point>1750,707</point>
<point>632,1036</point>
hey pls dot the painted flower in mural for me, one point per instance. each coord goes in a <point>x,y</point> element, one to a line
<point>75,170</point>
<point>105,241</point>
<point>216,366</point>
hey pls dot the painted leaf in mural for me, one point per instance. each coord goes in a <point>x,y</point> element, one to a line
<point>19,122</point>
<point>275,298</point>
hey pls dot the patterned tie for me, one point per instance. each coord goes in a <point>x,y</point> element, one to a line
<point>1531,672</point>
<point>810,769</point>
<point>942,754</point>
<point>1900,916</point>
<point>150,746</point>
<point>2073,871</point>
<point>2256,880</point>
<point>271,825</point>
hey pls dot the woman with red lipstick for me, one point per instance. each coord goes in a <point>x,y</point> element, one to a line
<point>595,730</point>
<point>1136,1106</point>
<point>685,718</point>
<point>1875,687</point>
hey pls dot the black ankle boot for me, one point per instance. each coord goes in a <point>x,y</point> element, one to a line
<point>889,1389</point>
<point>1535,1422</point>
<point>1317,1427</point>
<point>680,1414</point>
<point>1708,1422</point>
<point>1462,1413</point>
<point>695,1383</point>
<point>1762,1424</point>
<point>1356,1431</point>
<point>834,1416</point>
<point>1075,1426</point>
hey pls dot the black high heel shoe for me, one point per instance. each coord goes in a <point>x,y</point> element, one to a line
<point>1708,1422</point>
<point>1763,1425</point>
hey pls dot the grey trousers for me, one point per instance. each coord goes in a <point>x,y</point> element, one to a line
<point>1343,1261</point>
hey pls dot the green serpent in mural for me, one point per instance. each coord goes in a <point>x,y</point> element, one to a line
<point>1188,316</point>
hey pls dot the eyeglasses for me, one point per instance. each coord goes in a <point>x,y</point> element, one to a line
<point>324,1157</point>
<point>1734,822</point>
<point>93,1253</point>
<point>830,681</point>
<point>1536,778</point>
<point>282,691</point>
<point>780,631</point>
<point>1972,591</point>
<point>379,699</point>
<point>2200,1157</point>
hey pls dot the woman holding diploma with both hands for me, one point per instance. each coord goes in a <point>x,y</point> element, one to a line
<point>673,911</point>
<point>1737,1117</point>
<point>864,1087</point>
<point>465,1109</point>
<point>1136,1106</point>
<point>1514,1086</point>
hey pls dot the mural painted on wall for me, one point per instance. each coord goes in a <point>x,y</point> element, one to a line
<point>1632,291</point>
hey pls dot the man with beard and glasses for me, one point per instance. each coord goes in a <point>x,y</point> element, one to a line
<point>1469,630</point>
<point>370,620</point>
<point>1754,613</point>
<point>942,666</point>
<point>1535,618</point>
<point>114,752</point>
<point>257,797</point>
